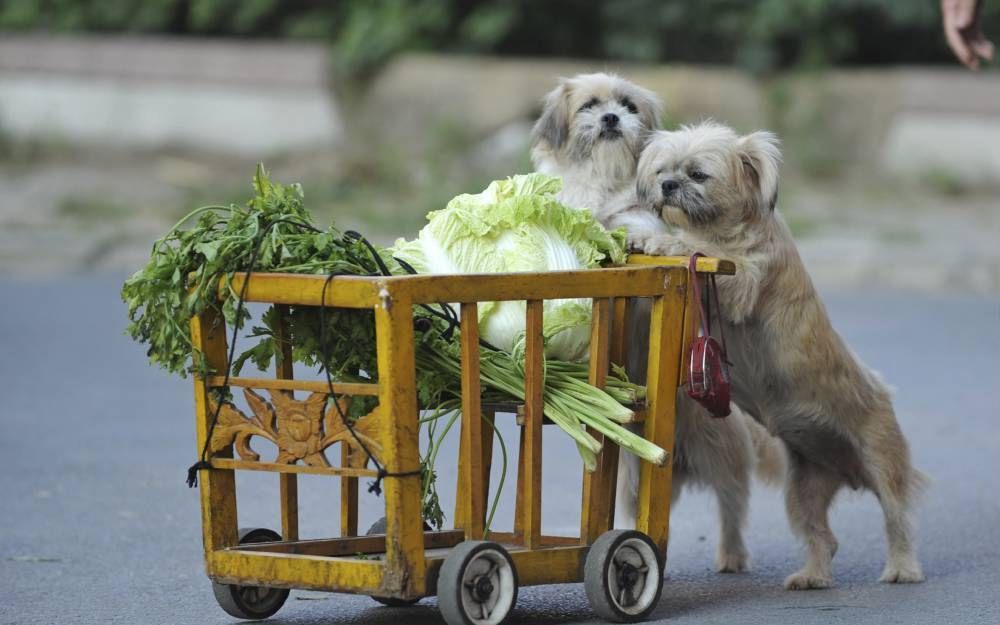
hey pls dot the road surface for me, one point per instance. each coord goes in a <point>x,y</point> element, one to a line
<point>98,527</point>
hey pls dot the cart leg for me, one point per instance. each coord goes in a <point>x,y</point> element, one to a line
<point>218,487</point>
<point>666,348</point>
<point>405,567</point>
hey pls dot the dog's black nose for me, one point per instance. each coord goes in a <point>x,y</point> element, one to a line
<point>669,186</point>
<point>609,119</point>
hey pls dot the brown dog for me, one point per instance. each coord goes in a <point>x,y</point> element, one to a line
<point>590,134</point>
<point>792,371</point>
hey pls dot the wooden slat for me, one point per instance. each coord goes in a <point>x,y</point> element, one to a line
<point>545,540</point>
<point>462,487</point>
<point>619,315</point>
<point>247,465</point>
<point>641,278</point>
<point>313,386</point>
<point>486,436</point>
<point>705,264</point>
<point>261,568</point>
<point>348,496</point>
<point>306,290</point>
<point>405,564</point>
<point>531,286</point>
<point>333,547</point>
<point>531,454</point>
<point>666,325</point>
<point>288,494</point>
<point>594,511</point>
<point>473,514</point>
<point>553,565</point>
<point>218,488</point>
<point>621,311</point>
<point>288,485</point>
<point>692,317</point>
<point>520,488</point>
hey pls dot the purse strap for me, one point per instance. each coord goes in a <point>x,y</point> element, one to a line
<point>706,319</point>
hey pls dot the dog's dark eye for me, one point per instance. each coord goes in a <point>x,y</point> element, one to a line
<point>630,105</point>
<point>699,176</point>
<point>591,103</point>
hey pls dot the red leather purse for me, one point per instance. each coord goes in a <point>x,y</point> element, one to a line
<point>708,369</point>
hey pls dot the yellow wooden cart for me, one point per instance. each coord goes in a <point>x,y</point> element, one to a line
<point>476,580</point>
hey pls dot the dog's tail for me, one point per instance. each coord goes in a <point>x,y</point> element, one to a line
<point>920,482</point>
<point>772,462</point>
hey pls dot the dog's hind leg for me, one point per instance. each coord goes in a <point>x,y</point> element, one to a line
<point>733,496</point>
<point>808,496</point>
<point>893,480</point>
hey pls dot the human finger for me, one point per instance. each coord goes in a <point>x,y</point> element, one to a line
<point>982,47</point>
<point>958,45</point>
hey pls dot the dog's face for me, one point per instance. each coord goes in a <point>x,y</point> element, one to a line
<point>596,117</point>
<point>707,176</point>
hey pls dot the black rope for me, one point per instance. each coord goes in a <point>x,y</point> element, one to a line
<point>447,312</point>
<point>356,236</point>
<point>381,473</point>
<point>203,463</point>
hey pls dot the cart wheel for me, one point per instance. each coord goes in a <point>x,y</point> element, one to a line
<point>477,584</point>
<point>251,602</point>
<point>623,576</point>
<point>378,527</point>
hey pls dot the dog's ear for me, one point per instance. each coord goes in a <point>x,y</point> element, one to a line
<point>760,159</point>
<point>645,179</point>
<point>650,108</point>
<point>642,191</point>
<point>553,126</point>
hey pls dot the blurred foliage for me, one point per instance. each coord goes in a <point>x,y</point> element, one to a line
<point>759,35</point>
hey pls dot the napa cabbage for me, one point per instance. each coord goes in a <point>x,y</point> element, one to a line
<point>517,225</point>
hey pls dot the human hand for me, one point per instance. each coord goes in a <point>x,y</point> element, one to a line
<point>960,19</point>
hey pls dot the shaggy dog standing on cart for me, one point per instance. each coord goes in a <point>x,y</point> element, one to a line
<point>791,371</point>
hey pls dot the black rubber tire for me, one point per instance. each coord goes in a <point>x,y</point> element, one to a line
<point>378,527</point>
<point>452,585</point>
<point>251,602</point>
<point>642,561</point>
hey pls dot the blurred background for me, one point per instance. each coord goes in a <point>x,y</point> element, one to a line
<point>117,117</point>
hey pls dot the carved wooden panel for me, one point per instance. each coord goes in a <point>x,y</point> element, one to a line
<point>300,429</point>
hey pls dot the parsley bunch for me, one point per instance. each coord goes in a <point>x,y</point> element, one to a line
<point>273,232</point>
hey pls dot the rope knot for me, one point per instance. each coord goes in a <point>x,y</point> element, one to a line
<point>192,478</point>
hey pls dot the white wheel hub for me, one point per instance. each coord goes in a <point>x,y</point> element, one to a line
<point>629,582</point>
<point>487,588</point>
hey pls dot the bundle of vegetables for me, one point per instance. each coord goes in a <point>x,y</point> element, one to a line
<point>273,232</point>
<point>514,225</point>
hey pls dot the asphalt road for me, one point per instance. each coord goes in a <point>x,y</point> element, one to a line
<point>96,525</point>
